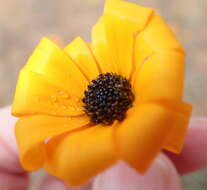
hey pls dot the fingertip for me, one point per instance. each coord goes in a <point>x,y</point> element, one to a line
<point>161,176</point>
<point>7,127</point>
<point>9,160</point>
<point>49,182</point>
<point>11,174</point>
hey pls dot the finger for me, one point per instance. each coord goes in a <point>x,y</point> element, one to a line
<point>161,176</point>
<point>193,156</point>
<point>8,148</point>
<point>11,174</point>
<point>52,183</point>
<point>7,128</point>
<point>9,181</point>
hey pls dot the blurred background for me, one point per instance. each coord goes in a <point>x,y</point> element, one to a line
<point>24,22</point>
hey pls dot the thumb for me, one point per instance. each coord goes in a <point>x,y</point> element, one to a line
<point>11,174</point>
<point>161,176</point>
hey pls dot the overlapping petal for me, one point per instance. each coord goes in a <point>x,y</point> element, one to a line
<point>35,94</point>
<point>55,65</point>
<point>161,77</point>
<point>99,46</point>
<point>32,131</point>
<point>50,82</point>
<point>156,37</point>
<point>77,157</point>
<point>176,136</point>
<point>83,57</point>
<point>148,128</point>
<point>120,23</point>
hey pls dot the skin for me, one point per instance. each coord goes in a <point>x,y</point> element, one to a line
<point>163,174</point>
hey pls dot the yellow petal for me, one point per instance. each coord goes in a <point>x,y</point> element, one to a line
<point>175,139</point>
<point>81,54</point>
<point>99,46</point>
<point>161,77</point>
<point>53,63</point>
<point>142,52</point>
<point>36,95</point>
<point>79,156</point>
<point>132,12</point>
<point>156,37</point>
<point>32,131</point>
<point>123,20</point>
<point>143,133</point>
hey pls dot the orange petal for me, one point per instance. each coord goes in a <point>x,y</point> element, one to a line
<point>37,95</point>
<point>81,54</point>
<point>175,139</point>
<point>122,22</point>
<point>32,131</point>
<point>79,156</point>
<point>161,77</point>
<point>156,37</point>
<point>143,133</point>
<point>57,67</point>
<point>99,46</point>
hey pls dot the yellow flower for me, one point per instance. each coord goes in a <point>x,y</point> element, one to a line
<point>131,112</point>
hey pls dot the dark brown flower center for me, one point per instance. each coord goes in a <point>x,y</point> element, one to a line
<point>107,98</point>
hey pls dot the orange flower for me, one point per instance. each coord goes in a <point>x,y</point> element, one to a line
<point>131,112</point>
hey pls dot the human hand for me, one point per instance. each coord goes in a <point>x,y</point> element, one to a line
<point>163,174</point>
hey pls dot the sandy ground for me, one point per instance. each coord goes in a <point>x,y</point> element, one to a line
<point>24,22</point>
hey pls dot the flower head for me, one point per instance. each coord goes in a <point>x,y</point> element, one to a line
<point>84,107</point>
